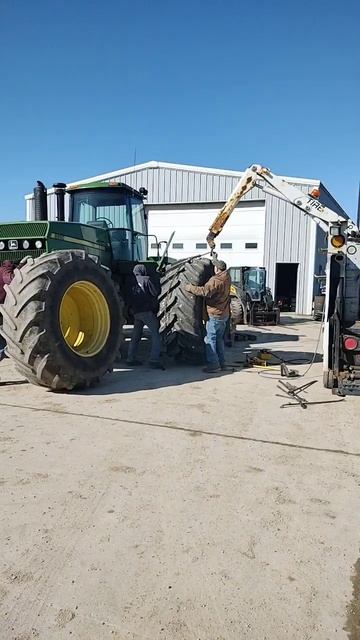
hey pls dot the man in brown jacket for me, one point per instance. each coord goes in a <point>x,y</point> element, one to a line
<point>216,292</point>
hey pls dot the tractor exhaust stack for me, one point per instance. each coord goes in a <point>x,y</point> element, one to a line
<point>60,200</point>
<point>40,197</point>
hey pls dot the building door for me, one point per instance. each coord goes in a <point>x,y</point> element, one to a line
<point>286,285</point>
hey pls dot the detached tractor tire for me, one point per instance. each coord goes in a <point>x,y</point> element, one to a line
<point>181,314</point>
<point>62,320</point>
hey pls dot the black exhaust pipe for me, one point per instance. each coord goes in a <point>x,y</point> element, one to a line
<point>60,200</point>
<point>40,197</point>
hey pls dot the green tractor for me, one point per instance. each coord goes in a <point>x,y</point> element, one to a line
<point>66,306</point>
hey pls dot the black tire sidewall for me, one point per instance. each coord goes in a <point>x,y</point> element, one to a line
<point>181,315</point>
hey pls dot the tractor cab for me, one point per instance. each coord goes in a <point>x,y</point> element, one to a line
<point>119,210</point>
<point>251,280</point>
<point>248,284</point>
<point>255,282</point>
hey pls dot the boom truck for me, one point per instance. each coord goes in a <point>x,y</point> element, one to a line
<point>341,333</point>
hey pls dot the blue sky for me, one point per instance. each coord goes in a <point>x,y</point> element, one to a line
<point>219,84</point>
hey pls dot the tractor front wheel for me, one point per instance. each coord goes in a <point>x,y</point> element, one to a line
<point>62,320</point>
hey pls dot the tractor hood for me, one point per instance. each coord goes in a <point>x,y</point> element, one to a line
<point>21,239</point>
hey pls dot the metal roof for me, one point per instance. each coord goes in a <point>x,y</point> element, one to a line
<point>154,164</point>
<point>169,183</point>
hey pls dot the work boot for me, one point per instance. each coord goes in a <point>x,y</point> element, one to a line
<point>134,363</point>
<point>211,369</point>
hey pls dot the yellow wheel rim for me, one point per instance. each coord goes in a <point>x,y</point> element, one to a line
<point>84,318</point>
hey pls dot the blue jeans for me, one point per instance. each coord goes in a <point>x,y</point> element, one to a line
<point>214,341</point>
<point>149,319</point>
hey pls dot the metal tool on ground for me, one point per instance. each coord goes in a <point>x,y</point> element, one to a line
<point>293,392</point>
<point>262,360</point>
<point>303,402</point>
<point>285,372</point>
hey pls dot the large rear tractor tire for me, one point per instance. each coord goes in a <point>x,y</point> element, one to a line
<point>181,314</point>
<point>62,320</point>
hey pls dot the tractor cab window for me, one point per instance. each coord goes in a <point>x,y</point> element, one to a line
<point>138,215</point>
<point>235,274</point>
<point>140,228</point>
<point>112,206</point>
<point>254,280</point>
<point>122,214</point>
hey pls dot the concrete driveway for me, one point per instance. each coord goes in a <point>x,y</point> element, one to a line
<point>175,506</point>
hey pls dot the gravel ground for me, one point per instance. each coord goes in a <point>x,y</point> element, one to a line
<point>172,505</point>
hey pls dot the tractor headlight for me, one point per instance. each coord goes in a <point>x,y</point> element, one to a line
<point>26,244</point>
<point>2,245</point>
<point>38,244</point>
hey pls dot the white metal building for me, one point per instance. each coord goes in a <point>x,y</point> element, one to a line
<point>262,231</point>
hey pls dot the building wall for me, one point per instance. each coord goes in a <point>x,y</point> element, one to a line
<point>290,238</point>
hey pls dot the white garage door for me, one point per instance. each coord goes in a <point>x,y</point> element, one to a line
<point>241,243</point>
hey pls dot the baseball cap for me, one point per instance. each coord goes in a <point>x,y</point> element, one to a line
<point>220,264</point>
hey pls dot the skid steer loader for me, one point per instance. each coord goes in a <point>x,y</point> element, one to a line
<point>252,302</point>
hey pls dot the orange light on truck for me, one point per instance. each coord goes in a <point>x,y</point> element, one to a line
<point>337,241</point>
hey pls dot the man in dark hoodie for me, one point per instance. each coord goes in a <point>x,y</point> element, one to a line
<point>142,296</point>
<point>216,292</point>
<point>6,275</point>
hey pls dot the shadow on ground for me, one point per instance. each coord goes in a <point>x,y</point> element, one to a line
<point>125,379</point>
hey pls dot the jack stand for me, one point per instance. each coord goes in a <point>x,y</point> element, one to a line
<point>293,392</point>
<point>285,372</point>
